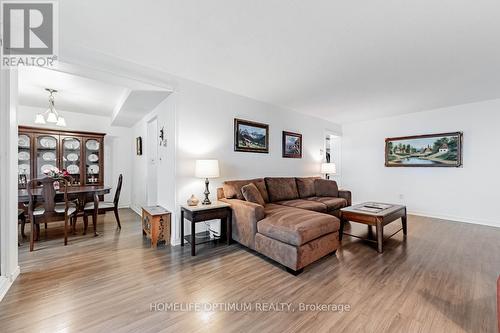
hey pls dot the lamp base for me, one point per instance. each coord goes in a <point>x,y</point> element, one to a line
<point>206,201</point>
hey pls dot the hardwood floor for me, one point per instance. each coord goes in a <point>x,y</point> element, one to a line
<point>441,279</point>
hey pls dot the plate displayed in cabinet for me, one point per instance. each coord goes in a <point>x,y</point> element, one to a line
<point>72,157</point>
<point>24,169</point>
<point>71,144</point>
<point>23,141</point>
<point>93,158</point>
<point>46,168</point>
<point>73,169</point>
<point>24,156</point>
<point>48,142</point>
<point>49,156</point>
<point>93,169</point>
<point>92,145</point>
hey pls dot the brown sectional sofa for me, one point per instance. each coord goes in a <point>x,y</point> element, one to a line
<point>298,224</point>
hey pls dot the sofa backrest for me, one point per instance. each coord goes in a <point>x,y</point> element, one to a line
<point>305,186</point>
<point>280,189</point>
<point>232,188</point>
<point>326,188</point>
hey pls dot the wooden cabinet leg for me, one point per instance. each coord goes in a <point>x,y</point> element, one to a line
<point>380,237</point>
<point>154,231</point>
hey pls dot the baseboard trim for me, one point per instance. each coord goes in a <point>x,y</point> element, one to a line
<point>457,219</point>
<point>136,210</point>
<point>4,286</point>
<point>469,220</point>
<point>7,281</point>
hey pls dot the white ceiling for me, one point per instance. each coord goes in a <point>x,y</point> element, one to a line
<point>123,100</point>
<point>340,60</point>
<point>74,93</point>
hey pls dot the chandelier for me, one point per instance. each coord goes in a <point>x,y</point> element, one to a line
<point>51,115</point>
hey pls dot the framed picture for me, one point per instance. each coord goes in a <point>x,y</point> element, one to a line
<point>138,145</point>
<point>250,136</point>
<point>292,145</point>
<point>433,150</point>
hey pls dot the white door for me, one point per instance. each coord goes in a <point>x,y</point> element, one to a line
<point>152,154</point>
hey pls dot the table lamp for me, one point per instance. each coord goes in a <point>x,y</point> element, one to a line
<point>328,169</point>
<point>207,169</point>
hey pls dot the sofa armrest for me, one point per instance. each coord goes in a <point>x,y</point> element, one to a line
<point>245,217</point>
<point>346,195</point>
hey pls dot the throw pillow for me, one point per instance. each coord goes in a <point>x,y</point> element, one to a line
<point>252,194</point>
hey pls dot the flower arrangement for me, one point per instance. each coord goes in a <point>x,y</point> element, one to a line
<point>56,173</point>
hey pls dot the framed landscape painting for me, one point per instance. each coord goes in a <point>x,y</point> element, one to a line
<point>433,150</point>
<point>292,145</point>
<point>250,136</point>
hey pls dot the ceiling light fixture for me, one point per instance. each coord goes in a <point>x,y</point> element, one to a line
<point>51,115</point>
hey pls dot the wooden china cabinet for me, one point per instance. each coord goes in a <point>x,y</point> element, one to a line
<point>79,153</point>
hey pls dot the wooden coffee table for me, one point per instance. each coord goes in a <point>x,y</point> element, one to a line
<point>374,214</point>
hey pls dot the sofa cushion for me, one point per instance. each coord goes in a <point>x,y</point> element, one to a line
<point>232,188</point>
<point>305,186</point>
<point>252,194</point>
<point>315,206</point>
<point>330,202</point>
<point>326,188</point>
<point>280,189</point>
<point>295,226</point>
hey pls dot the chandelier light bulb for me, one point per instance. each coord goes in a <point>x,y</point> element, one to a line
<point>39,119</point>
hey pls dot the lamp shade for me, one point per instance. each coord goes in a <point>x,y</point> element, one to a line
<point>328,168</point>
<point>207,168</point>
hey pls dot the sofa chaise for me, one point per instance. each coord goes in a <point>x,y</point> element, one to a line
<point>294,221</point>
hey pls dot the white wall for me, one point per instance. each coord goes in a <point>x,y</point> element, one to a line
<point>468,194</point>
<point>117,143</point>
<point>9,267</point>
<point>206,130</point>
<point>200,119</point>
<point>165,113</point>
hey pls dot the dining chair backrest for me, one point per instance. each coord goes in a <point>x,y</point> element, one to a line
<point>48,192</point>
<point>118,190</point>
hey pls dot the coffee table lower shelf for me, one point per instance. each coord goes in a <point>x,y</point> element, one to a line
<point>378,219</point>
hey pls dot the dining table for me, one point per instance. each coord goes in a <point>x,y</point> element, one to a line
<point>84,194</point>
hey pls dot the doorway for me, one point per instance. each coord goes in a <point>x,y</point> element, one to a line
<point>333,153</point>
<point>152,167</point>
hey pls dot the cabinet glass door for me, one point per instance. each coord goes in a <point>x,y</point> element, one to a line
<point>46,154</point>
<point>93,161</point>
<point>71,157</point>
<point>24,160</point>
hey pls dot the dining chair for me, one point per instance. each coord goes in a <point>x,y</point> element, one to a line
<point>21,218</point>
<point>104,206</point>
<point>49,210</point>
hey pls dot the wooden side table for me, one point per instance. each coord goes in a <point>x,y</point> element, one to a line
<point>156,224</point>
<point>217,210</point>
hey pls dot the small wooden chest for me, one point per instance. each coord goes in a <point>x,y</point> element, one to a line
<point>156,222</point>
